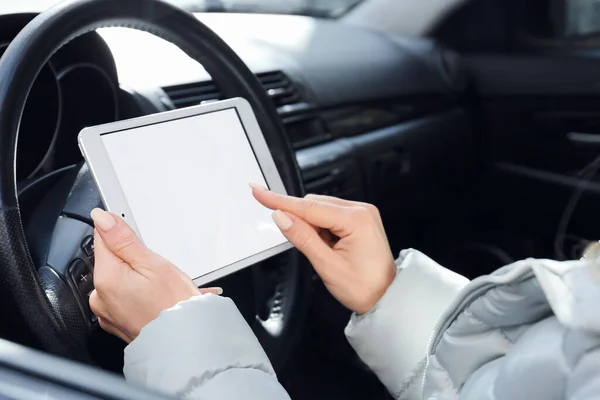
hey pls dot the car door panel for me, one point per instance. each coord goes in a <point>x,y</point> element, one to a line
<point>541,129</point>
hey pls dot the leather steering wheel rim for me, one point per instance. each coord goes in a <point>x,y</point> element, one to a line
<point>26,297</point>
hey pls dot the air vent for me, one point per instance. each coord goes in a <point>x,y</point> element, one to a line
<point>192,94</point>
<point>278,86</point>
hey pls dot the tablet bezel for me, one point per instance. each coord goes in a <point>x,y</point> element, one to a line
<point>96,156</point>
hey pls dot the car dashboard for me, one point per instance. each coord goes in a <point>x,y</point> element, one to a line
<point>372,117</point>
<point>347,96</point>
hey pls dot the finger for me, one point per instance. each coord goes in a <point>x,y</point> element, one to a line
<point>96,304</point>
<point>99,309</point>
<point>343,203</point>
<point>213,290</point>
<point>113,330</point>
<point>323,215</point>
<point>304,238</point>
<point>332,200</point>
<point>120,239</point>
<point>354,205</point>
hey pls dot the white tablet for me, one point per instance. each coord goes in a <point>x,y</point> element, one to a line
<point>180,180</point>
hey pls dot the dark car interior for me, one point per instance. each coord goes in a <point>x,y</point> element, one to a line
<point>478,142</point>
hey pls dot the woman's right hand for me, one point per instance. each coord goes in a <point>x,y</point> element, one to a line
<point>344,241</point>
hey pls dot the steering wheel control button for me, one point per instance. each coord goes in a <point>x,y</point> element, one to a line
<point>88,246</point>
<point>82,278</point>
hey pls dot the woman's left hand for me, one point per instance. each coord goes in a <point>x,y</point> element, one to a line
<point>344,240</point>
<point>133,284</point>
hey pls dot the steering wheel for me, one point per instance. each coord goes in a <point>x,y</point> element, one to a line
<point>44,286</point>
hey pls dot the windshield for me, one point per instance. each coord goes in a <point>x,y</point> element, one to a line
<point>315,8</point>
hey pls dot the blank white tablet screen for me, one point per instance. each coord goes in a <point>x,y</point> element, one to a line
<point>186,183</point>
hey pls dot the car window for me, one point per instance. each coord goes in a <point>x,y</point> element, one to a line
<point>562,19</point>
<point>582,17</point>
<point>317,8</point>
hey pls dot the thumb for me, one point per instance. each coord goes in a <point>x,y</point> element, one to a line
<point>119,238</point>
<point>304,237</point>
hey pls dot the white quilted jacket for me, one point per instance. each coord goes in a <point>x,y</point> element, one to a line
<point>529,331</point>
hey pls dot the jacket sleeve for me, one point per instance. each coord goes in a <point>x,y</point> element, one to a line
<point>392,338</point>
<point>202,349</point>
<point>584,381</point>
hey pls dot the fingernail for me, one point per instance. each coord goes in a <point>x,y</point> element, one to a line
<point>282,220</point>
<point>212,290</point>
<point>258,188</point>
<point>102,219</point>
